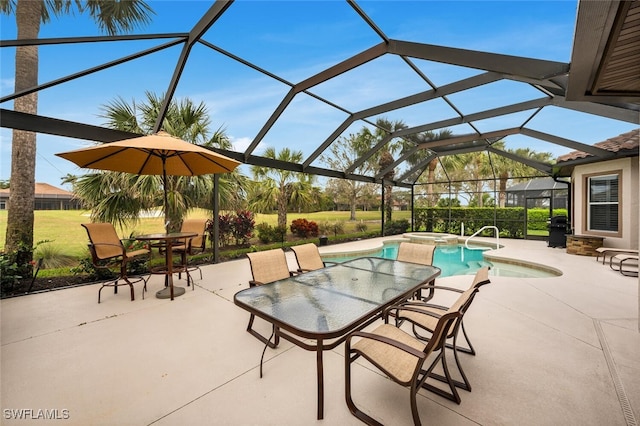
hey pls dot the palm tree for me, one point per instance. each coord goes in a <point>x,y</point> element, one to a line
<point>276,188</point>
<point>506,168</point>
<point>120,197</point>
<point>385,158</point>
<point>112,18</point>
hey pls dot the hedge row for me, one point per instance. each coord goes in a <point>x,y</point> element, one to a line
<point>510,220</point>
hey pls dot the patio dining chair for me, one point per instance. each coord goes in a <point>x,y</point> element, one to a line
<point>480,278</point>
<point>308,257</point>
<point>424,317</point>
<point>191,246</point>
<point>400,356</point>
<point>107,251</point>
<point>417,253</point>
<point>266,267</point>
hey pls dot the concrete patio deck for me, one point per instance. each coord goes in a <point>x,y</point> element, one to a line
<point>550,351</point>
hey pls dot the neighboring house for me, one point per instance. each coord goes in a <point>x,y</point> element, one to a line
<point>604,192</point>
<point>47,197</point>
<point>539,192</point>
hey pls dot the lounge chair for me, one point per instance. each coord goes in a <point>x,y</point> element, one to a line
<point>398,355</point>
<point>612,251</point>
<point>619,261</point>
<point>108,251</point>
<point>191,246</point>
<point>308,257</point>
<point>266,267</point>
<point>423,317</point>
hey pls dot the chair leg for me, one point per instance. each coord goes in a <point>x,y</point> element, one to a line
<point>453,395</point>
<point>627,272</point>
<point>464,384</point>
<point>348,359</point>
<point>470,350</point>
<point>260,337</point>
<point>124,277</point>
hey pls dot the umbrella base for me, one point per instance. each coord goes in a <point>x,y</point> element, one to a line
<point>165,293</point>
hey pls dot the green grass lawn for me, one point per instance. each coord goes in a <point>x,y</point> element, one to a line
<point>62,227</point>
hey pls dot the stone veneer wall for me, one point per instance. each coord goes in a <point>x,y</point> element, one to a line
<point>583,245</point>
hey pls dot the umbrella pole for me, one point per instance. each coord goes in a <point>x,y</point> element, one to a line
<point>216,221</point>
<point>164,185</point>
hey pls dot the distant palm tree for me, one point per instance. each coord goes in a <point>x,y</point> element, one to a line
<point>111,17</point>
<point>422,154</point>
<point>385,158</point>
<point>507,168</point>
<point>276,188</point>
<point>120,197</point>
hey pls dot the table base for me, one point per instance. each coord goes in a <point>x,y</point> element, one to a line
<point>165,293</point>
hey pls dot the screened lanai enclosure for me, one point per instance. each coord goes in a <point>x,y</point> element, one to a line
<point>396,83</point>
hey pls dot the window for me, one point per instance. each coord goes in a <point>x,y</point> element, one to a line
<point>603,203</point>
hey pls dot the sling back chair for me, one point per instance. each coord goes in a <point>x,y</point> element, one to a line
<point>266,267</point>
<point>107,251</point>
<point>417,253</point>
<point>308,257</point>
<point>191,246</point>
<point>423,316</point>
<point>481,278</point>
<point>400,356</point>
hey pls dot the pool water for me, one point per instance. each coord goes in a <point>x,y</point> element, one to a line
<point>458,260</point>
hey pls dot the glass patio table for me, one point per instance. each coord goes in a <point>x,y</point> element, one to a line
<point>327,304</point>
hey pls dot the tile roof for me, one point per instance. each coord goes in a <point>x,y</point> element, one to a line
<point>44,189</point>
<point>624,142</point>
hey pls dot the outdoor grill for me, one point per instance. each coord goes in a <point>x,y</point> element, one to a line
<point>557,231</point>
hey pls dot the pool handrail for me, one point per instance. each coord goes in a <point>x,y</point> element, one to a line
<point>466,242</point>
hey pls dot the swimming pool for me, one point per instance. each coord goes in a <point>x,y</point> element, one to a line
<point>453,260</point>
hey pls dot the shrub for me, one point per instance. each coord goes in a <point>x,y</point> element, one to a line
<point>243,225</point>
<point>304,228</point>
<point>232,227</point>
<point>53,257</point>
<point>334,228</point>
<point>265,232</point>
<point>395,227</point>
<point>268,234</point>
<point>361,227</point>
<point>225,224</point>
<point>9,274</point>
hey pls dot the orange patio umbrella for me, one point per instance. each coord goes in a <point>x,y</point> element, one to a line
<point>155,154</point>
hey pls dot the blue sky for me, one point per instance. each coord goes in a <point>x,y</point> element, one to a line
<point>295,40</point>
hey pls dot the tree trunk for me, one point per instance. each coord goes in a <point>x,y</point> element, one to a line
<point>282,208</point>
<point>388,195</point>
<point>503,191</point>
<point>353,200</point>
<point>431,176</point>
<point>19,237</point>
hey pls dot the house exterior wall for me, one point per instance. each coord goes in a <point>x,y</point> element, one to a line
<point>629,205</point>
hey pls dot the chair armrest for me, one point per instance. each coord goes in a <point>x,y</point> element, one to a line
<point>410,308</point>
<point>411,303</point>
<point>440,287</point>
<point>387,341</point>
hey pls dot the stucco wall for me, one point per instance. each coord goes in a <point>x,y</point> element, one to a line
<point>630,176</point>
